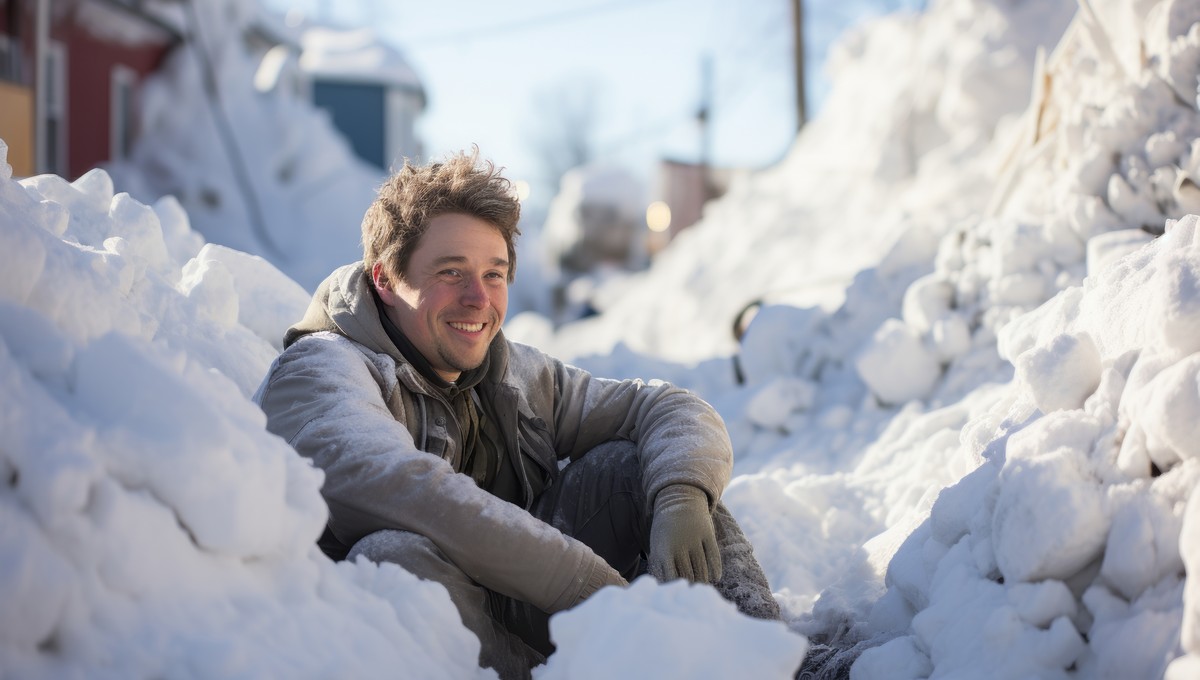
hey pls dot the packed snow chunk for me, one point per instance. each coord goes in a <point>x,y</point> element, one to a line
<point>1165,413</point>
<point>951,337</point>
<point>1062,374</point>
<point>771,405</point>
<point>1051,519</point>
<point>926,301</point>
<point>181,241</point>
<point>1143,544</point>
<point>35,344</point>
<point>24,248</point>
<point>210,286</point>
<point>1132,639</point>
<point>1179,306</point>
<point>32,575</point>
<point>1150,297</point>
<point>267,301</point>
<point>139,226</point>
<point>971,629</point>
<point>1039,604</point>
<point>236,488</point>
<point>663,631</point>
<point>1105,249</point>
<point>1189,548</point>
<point>413,621</point>
<point>897,659</point>
<point>86,200</point>
<point>897,366</point>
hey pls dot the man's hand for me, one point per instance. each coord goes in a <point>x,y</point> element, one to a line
<point>683,543</point>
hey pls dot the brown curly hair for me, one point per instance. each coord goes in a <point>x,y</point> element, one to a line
<point>414,195</point>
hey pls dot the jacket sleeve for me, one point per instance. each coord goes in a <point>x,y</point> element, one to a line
<point>680,438</point>
<point>328,400</point>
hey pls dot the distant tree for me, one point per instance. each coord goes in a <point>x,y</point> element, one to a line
<point>563,125</point>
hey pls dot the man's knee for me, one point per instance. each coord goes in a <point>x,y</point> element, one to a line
<point>413,552</point>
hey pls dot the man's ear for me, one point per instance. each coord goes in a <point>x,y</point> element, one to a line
<point>382,284</point>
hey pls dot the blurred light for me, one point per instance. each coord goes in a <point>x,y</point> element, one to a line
<point>270,69</point>
<point>521,189</point>
<point>658,216</point>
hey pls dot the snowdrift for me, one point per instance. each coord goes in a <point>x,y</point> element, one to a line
<point>977,459</point>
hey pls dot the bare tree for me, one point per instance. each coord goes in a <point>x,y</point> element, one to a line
<point>563,125</point>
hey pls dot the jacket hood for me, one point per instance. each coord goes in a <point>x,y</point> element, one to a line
<point>345,304</point>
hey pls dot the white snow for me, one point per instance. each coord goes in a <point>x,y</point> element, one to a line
<point>966,445</point>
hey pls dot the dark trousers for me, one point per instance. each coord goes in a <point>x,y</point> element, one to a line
<point>599,501</point>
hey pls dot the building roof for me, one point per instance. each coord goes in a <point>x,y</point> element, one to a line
<point>356,56</point>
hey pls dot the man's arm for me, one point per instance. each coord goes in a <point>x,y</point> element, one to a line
<point>680,438</point>
<point>683,447</point>
<point>325,397</point>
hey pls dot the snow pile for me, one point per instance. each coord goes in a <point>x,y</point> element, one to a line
<point>673,630</point>
<point>891,164</point>
<point>1061,550</point>
<point>979,463</point>
<point>149,525</point>
<point>263,172</point>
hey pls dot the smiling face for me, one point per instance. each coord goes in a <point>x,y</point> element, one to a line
<point>453,297</point>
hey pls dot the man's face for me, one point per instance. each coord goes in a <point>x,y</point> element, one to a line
<point>453,297</point>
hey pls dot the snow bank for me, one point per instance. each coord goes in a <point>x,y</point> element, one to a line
<point>978,460</point>
<point>149,525</point>
<point>1062,550</point>
<point>674,630</point>
<point>263,172</point>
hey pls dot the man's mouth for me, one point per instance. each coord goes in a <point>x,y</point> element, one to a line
<point>467,327</point>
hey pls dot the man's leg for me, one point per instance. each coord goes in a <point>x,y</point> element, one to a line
<point>742,579</point>
<point>500,649</point>
<point>600,501</point>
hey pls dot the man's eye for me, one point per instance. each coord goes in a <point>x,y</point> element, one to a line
<point>495,275</point>
<point>448,272</point>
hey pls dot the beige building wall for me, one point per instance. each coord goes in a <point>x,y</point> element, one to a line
<point>16,126</point>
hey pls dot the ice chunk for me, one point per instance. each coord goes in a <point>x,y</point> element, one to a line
<point>1029,548</point>
<point>1062,374</point>
<point>897,366</point>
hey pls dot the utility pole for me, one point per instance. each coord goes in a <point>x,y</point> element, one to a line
<point>704,119</point>
<point>798,55</point>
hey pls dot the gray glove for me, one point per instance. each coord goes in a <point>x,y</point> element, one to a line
<point>683,543</point>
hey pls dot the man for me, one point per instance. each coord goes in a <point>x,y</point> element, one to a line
<point>520,483</point>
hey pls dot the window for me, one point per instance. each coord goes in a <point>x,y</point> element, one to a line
<point>8,59</point>
<point>123,82</point>
<point>52,152</point>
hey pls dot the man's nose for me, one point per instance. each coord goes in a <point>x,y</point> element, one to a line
<point>474,293</point>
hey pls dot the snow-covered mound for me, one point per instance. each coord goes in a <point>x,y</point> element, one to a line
<point>977,461</point>
<point>916,98</point>
<point>256,166</point>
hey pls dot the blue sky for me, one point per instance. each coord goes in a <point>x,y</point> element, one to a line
<point>490,70</point>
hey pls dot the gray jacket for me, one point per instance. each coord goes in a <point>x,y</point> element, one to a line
<point>343,396</point>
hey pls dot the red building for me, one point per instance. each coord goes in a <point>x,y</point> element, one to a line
<point>69,72</point>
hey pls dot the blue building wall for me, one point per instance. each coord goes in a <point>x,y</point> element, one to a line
<point>358,113</point>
